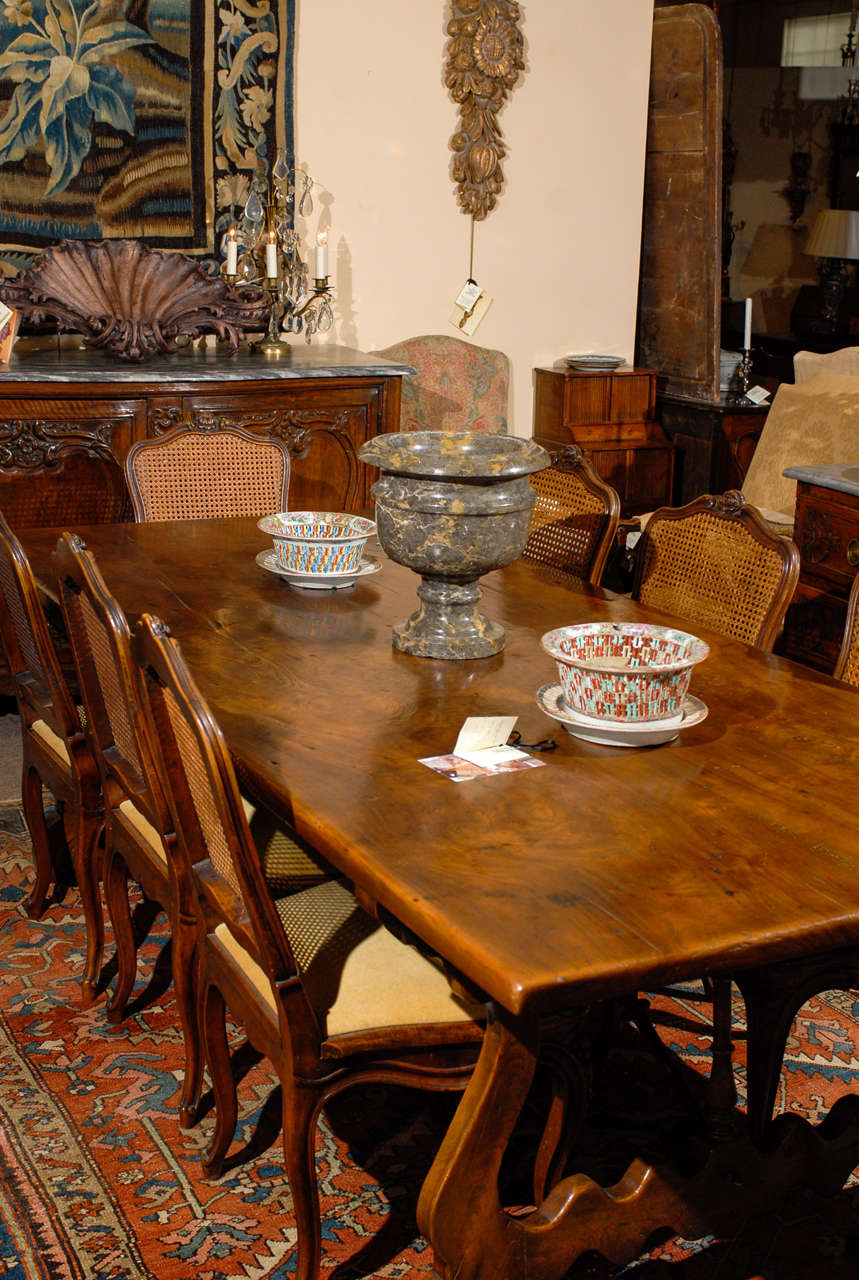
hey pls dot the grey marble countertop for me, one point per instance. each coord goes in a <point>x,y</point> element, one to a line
<point>843,476</point>
<point>204,364</point>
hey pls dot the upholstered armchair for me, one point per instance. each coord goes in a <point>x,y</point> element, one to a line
<point>456,387</point>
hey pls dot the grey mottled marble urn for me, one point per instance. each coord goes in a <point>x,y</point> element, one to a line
<point>452,506</point>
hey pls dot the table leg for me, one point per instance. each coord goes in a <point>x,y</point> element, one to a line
<point>473,1238</point>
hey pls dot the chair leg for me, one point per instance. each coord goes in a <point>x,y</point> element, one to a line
<point>217,1051</point>
<point>34,815</point>
<point>186,986</point>
<point>84,842</point>
<point>300,1110</point>
<point>119,910</point>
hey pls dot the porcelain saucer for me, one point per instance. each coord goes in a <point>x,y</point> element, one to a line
<point>318,581</point>
<point>610,733</point>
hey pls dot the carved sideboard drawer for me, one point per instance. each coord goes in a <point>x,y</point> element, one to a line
<point>826,531</point>
<point>827,534</point>
<point>61,459</point>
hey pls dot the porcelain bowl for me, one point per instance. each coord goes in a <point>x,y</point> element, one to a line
<point>624,671</point>
<point>318,541</point>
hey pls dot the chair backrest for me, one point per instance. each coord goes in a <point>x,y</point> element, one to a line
<point>208,816</point>
<point>847,666</point>
<point>715,562</point>
<point>575,517</point>
<point>456,387</point>
<point>40,687</point>
<point>188,474</point>
<point>109,682</point>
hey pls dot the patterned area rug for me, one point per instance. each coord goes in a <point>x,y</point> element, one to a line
<point>97,1182</point>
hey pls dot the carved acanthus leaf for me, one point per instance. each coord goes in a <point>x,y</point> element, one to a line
<point>32,444</point>
<point>484,58</point>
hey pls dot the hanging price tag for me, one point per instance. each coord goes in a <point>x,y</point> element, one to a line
<point>469,294</point>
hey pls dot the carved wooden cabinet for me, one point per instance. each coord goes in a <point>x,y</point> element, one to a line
<point>714,441</point>
<point>68,420</point>
<point>610,416</point>
<point>827,534</point>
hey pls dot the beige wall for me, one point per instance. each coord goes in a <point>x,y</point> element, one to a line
<point>559,253</point>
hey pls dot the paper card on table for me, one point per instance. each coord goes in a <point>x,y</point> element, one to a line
<point>479,733</point>
<point>458,769</point>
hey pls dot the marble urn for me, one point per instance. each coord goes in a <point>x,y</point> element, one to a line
<point>452,506</point>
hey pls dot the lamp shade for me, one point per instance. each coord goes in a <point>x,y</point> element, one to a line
<point>835,234</point>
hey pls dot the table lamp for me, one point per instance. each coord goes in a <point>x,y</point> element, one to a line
<point>834,239</point>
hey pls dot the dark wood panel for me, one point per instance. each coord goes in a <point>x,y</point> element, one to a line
<point>679,292</point>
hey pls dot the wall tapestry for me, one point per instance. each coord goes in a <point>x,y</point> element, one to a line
<point>138,119</point>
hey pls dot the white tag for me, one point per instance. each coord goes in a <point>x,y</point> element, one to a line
<point>483,733</point>
<point>757,395</point>
<point>470,293</point>
<point>467,321</point>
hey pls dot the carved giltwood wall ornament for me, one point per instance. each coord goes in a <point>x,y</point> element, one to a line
<point>484,58</point>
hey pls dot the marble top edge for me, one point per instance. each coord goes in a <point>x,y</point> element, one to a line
<point>841,476</point>
<point>203,365</point>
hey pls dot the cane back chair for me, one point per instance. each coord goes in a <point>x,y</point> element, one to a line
<point>56,753</point>
<point>137,821</point>
<point>715,562</point>
<point>191,474</point>
<point>325,991</point>
<point>847,666</point>
<point>575,517</point>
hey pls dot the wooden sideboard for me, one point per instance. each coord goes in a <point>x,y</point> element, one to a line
<point>68,418</point>
<point>610,416</point>
<point>713,442</point>
<point>826,531</point>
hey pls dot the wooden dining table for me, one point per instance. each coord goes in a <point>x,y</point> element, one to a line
<point>606,872</point>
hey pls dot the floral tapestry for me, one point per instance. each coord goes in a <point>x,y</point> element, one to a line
<point>141,119</point>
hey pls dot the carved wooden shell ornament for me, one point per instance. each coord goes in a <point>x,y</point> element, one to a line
<point>484,58</point>
<point>130,300</point>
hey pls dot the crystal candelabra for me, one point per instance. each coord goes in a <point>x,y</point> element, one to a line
<point>265,249</point>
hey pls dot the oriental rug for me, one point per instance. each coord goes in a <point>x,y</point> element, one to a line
<point>97,1182</point>
<point>137,118</point>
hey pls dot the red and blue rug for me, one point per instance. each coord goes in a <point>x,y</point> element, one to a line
<point>97,1182</point>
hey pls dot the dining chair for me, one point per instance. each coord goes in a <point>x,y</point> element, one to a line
<point>137,821</point>
<point>456,386</point>
<point>847,666</point>
<point>192,474</point>
<point>138,825</point>
<point>575,517</point>
<point>322,988</point>
<point>716,563</point>
<point>56,752</point>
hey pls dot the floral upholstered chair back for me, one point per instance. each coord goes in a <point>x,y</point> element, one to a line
<point>457,386</point>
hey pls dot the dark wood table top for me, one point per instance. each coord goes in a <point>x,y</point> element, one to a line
<point>606,871</point>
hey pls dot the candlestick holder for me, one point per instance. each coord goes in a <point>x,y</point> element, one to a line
<point>742,378</point>
<point>267,235</point>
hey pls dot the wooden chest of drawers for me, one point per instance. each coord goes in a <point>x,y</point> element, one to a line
<point>610,416</point>
<point>827,534</point>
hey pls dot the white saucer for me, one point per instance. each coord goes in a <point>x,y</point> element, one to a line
<point>318,581</point>
<point>610,733</point>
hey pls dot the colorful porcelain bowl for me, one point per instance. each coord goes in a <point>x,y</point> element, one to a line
<point>318,541</point>
<point>627,672</point>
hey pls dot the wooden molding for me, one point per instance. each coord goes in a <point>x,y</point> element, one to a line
<point>484,58</point>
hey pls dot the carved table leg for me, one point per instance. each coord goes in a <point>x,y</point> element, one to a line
<point>460,1213</point>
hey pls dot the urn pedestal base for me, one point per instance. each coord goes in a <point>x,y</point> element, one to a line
<point>448,624</point>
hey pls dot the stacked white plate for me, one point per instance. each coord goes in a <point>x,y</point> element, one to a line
<point>595,363</point>
<point>318,581</point>
<point>611,733</point>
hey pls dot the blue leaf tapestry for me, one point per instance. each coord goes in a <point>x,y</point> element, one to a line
<point>139,119</point>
